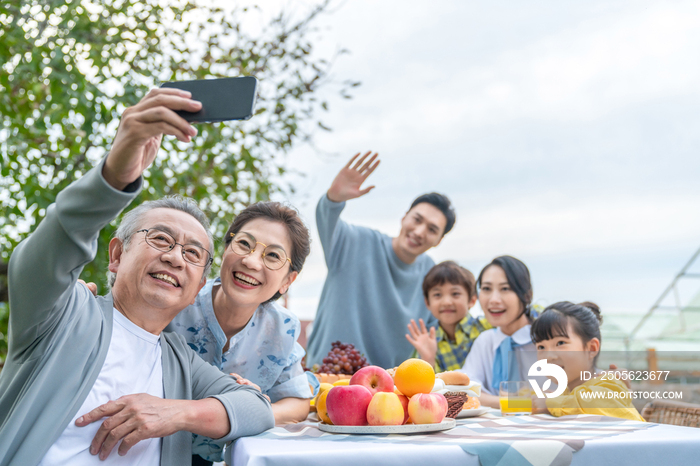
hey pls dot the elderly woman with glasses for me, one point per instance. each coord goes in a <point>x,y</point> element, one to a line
<point>235,323</point>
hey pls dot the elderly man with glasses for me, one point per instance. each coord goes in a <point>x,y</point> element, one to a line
<point>95,380</point>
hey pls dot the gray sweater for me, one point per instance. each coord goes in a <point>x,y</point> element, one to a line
<point>59,335</point>
<point>369,296</point>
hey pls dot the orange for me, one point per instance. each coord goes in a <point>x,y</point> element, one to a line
<point>321,407</point>
<point>472,403</point>
<point>414,376</point>
<point>324,386</point>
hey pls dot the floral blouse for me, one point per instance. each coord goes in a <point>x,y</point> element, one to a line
<point>265,351</point>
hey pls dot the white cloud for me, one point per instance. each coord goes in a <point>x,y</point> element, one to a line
<point>580,73</point>
<point>545,224</point>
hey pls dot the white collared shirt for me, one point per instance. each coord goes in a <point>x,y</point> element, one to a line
<point>479,363</point>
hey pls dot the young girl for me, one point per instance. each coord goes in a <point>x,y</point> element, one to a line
<point>505,352</point>
<point>568,335</point>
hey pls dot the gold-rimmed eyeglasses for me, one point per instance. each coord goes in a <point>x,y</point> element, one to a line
<point>162,241</point>
<point>274,257</point>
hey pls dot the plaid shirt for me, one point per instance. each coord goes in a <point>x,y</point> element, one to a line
<point>452,354</point>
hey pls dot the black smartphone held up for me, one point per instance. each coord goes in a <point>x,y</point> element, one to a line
<point>222,99</point>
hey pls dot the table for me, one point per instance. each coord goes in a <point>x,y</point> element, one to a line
<point>488,440</point>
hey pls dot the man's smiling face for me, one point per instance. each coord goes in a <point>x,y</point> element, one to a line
<point>157,284</point>
<point>421,229</point>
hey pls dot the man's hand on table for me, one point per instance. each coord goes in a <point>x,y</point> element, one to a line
<point>348,182</point>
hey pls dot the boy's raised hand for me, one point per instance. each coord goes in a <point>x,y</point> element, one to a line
<point>423,340</point>
<point>348,181</point>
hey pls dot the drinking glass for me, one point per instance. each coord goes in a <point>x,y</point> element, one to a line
<point>515,398</point>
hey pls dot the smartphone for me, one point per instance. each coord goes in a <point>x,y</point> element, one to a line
<point>222,99</point>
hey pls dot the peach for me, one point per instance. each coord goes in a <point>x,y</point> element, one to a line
<point>347,405</point>
<point>404,402</point>
<point>374,378</point>
<point>427,408</point>
<point>385,409</point>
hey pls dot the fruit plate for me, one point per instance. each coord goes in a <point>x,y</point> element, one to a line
<point>474,412</point>
<point>404,429</point>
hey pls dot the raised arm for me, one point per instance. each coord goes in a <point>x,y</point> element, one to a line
<point>53,256</point>
<point>141,130</point>
<point>348,182</point>
<point>346,185</point>
<point>423,340</point>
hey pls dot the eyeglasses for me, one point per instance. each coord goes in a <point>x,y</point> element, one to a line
<point>162,241</point>
<point>274,257</point>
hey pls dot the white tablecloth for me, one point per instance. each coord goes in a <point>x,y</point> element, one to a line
<point>658,444</point>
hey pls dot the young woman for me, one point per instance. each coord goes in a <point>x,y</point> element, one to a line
<point>568,335</point>
<point>505,294</point>
<point>235,323</point>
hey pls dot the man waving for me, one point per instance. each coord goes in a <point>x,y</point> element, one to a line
<point>373,287</point>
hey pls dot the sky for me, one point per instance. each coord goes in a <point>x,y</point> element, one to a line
<point>565,134</point>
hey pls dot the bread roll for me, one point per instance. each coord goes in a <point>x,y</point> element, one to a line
<point>454,378</point>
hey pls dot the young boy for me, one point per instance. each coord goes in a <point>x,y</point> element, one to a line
<point>449,291</point>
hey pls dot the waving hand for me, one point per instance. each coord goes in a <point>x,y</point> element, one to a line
<point>348,183</point>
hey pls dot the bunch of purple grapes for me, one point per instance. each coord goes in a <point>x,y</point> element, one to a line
<point>343,358</point>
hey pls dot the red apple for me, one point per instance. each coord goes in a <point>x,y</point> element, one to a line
<point>404,402</point>
<point>347,405</point>
<point>374,378</point>
<point>427,408</point>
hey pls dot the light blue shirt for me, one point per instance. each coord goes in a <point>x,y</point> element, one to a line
<point>479,363</point>
<point>265,351</point>
<point>369,296</point>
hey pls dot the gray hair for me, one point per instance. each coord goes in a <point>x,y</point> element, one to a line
<point>131,222</point>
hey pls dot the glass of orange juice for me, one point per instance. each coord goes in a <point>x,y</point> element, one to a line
<point>515,398</point>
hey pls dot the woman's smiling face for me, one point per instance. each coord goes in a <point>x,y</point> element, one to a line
<point>245,279</point>
<point>501,305</point>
